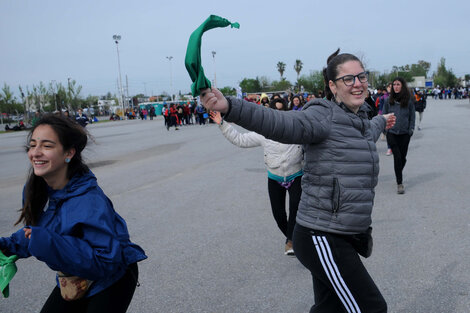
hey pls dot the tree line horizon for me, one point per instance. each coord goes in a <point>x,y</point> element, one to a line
<point>55,95</point>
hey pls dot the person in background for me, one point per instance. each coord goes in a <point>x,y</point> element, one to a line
<point>81,118</point>
<point>384,97</point>
<point>67,114</point>
<point>341,167</point>
<point>296,103</point>
<point>201,111</point>
<point>173,117</point>
<point>166,115</point>
<point>36,118</point>
<point>420,105</point>
<point>264,100</point>
<point>284,165</point>
<point>372,110</point>
<point>401,104</point>
<point>71,225</point>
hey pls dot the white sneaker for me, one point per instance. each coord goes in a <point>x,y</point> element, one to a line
<point>289,250</point>
<point>389,152</point>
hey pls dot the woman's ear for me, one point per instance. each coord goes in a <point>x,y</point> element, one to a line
<point>70,153</point>
<point>332,86</point>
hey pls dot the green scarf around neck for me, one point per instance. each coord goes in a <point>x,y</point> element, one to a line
<point>193,52</point>
<point>7,271</point>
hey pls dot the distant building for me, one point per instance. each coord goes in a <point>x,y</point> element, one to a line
<point>418,82</point>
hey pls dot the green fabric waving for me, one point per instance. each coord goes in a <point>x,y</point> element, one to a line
<point>193,52</point>
<point>7,271</point>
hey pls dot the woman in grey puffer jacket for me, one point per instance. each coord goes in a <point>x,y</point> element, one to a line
<point>341,167</point>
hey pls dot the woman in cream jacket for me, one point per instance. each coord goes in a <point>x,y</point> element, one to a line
<point>284,166</point>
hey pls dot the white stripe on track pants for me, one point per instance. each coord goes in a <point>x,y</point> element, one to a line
<point>341,283</point>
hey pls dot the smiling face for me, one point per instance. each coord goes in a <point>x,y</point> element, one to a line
<point>352,96</point>
<point>47,156</point>
<point>296,101</point>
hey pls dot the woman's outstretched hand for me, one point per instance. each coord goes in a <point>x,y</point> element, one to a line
<point>216,117</point>
<point>213,99</point>
<point>390,119</point>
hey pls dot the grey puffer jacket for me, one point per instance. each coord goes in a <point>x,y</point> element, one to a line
<point>341,163</point>
<point>406,116</point>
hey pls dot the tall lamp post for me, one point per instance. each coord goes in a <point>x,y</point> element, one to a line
<point>54,94</point>
<point>121,94</point>
<point>171,78</point>
<point>215,76</point>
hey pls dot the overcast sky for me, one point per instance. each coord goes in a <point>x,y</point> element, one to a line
<point>55,40</point>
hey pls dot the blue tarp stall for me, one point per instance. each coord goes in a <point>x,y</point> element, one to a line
<point>147,105</point>
<point>159,105</point>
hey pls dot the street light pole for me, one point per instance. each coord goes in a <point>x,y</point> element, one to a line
<point>215,76</point>
<point>54,94</point>
<point>69,94</point>
<point>171,78</point>
<point>121,94</point>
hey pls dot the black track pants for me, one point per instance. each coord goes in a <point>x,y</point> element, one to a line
<point>341,283</point>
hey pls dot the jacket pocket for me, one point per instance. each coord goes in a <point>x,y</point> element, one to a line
<point>336,195</point>
<point>272,161</point>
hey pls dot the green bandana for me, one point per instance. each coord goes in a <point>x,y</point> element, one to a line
<point>7,271</point>
<point>193,52</point>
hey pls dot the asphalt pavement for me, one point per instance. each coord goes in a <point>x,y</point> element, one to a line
<point>200,209</point>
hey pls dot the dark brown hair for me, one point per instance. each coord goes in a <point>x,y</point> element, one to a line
<point>71,135</point>
<point>272,104</point>
<point>330,72</point>
<point>403,97</point>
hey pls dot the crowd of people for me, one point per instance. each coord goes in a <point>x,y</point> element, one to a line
<point>448,92</point>
<point>177,115</point>
<point>81,118</point>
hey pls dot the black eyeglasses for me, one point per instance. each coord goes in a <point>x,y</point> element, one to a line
<point>349,80</point>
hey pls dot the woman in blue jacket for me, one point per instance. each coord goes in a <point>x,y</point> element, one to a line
<point>79,233</point>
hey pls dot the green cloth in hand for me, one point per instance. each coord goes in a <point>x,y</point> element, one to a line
<point>193,52</point>
<point>7,271</point>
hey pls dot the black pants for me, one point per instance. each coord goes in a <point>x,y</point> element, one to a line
<point>399,145</point>
<point>277,196</point>
<point>114,299</point>
<point>341,283</point>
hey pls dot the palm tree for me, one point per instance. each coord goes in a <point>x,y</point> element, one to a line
<point>281,67</point>
<point>298,67</point>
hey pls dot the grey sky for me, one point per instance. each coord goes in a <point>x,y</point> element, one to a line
<point>53,40</point>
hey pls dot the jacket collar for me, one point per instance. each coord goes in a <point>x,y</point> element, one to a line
<point>78,184</point>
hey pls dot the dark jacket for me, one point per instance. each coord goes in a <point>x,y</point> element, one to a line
<point>80,234</point>
<point>341,163</point>
<point>81,119</point>
<point>405,123</point>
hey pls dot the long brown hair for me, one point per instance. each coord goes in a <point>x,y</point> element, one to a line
<point>71,135</point>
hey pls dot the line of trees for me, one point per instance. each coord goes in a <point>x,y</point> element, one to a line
<point>313,82</point>
<point>47,98</point>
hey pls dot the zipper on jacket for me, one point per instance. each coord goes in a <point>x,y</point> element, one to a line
<point>336,195</point>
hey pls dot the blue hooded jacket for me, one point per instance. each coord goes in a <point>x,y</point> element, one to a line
<point>80,234</point>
